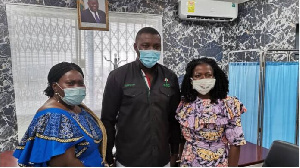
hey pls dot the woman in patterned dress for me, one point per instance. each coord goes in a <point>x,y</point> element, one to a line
<point>210,120</point>
<point>63,132</point>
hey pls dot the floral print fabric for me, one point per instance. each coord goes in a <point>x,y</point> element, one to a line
<point>209,129</point>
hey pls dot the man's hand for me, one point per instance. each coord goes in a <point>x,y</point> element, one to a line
<point>173,159</point>
<point>110,161</point>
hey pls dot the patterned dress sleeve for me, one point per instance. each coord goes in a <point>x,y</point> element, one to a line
<point>186,120</point>
<point>179,111</point>
<point>233,130</point>
<point>49,134</point>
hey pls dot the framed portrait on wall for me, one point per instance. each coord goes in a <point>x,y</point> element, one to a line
<point>93,15</point>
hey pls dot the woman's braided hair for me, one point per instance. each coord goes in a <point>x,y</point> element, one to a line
<point>56,72</point>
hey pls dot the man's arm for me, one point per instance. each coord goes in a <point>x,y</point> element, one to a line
<point>110,107</point>
<point>174,124</point>
<point>102,16</point>
<point>84,16</point>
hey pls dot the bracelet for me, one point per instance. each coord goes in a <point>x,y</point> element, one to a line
<point>179,160</point>
<point>107,165</point>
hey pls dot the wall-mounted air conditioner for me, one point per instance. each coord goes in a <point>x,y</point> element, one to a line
<point>207,10</point>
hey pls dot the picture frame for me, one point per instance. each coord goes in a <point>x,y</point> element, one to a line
<point>93,15</point>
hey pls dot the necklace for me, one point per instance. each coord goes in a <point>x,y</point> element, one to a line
<point>68,108</point>
<point>57,99</point>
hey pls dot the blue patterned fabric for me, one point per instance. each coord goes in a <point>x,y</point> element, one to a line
<point>53,131</point>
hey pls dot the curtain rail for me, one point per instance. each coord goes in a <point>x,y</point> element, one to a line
<point>262,58</point>
<point>289,54</point>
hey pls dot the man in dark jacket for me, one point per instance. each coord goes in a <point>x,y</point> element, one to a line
<point>141,99</point>
<point>93,14</point>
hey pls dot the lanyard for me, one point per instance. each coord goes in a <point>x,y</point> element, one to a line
<point>147,79</point>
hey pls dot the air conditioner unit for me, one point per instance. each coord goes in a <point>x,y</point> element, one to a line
<point>207,10</point>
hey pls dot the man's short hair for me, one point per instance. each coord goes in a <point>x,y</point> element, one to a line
<point>149,30</point>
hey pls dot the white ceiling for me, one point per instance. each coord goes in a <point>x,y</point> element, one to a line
<point>235,1</point>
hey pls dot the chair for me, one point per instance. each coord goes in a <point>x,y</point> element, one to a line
<point>282,154</point>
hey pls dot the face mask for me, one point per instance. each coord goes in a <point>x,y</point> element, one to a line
<point>149,57</point>
<point>73,96</point>
<point>203,86</point>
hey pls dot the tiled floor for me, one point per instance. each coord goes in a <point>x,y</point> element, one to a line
<point>256,165</point>
<point>7,160</point>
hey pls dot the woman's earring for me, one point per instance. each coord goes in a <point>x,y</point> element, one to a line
<point>57,95</point>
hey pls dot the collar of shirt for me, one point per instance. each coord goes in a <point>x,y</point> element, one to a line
<point>139,64</point>
<point>93,13</point>
<point>146,79</point>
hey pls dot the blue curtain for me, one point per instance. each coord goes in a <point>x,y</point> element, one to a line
<point>244,84</point>
<point>280,104</point>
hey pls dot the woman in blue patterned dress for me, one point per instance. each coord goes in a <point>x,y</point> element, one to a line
<point>64,132</point>
<point>210,120</point>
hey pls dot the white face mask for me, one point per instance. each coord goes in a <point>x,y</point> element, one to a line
<point>203,86</point>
